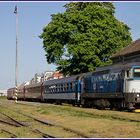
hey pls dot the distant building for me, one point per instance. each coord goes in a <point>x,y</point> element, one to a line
<point>32,81</point>
<point>36,78</point>
<point>3,92</point>
<point>56,75</point>
<point>46,75</point>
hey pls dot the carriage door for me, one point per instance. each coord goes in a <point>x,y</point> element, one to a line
<point>77,90</point>
<point>42,91</point>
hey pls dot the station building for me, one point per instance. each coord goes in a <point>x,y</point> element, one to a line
<point>129,54</point>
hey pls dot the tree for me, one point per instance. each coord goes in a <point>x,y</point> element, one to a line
<point>84,37</point>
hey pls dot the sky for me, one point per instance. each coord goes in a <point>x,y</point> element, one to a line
<point>33,16</point>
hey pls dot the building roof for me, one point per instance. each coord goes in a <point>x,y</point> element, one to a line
<point>57,74</point>
<point>132,48</point>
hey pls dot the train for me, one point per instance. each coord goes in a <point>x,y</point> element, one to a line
<point>114,86</point>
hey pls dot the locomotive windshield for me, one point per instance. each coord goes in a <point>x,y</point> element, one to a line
<point>136,72</point>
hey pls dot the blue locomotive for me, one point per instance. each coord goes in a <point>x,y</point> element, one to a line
<point>113,86</point>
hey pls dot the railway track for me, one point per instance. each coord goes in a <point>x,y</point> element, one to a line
<point>53,124</point>
<point>16,123</point>
<point>8,123</point>
<point>43,134</point>
<point>12,135</point>
<point>13,121</point>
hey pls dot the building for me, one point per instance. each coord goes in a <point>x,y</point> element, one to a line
<point>46,75</point>
<point>129,54</point>
<point>36,78</point>
<point>3,92</point>
<point>41,77</point>
<point>56,75</point>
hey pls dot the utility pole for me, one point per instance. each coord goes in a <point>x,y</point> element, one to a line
<point>16,64</point>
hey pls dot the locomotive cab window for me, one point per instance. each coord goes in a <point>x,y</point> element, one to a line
<point>136,72</point>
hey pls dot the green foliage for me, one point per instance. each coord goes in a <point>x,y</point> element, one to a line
<point>79,39</point>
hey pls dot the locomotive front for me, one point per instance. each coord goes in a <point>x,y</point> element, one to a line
<point>132,88</point>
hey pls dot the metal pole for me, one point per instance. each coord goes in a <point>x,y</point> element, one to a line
<point>16,66</point>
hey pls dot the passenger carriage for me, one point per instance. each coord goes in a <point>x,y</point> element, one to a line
<point>63,90</point>
<point>33,92</point>
<point>10,93</point>
<point>21,92</point>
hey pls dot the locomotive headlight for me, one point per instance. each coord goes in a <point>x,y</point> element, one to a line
<point>138,95</point>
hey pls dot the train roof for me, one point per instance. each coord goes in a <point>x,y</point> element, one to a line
<point>104,69</point>
<point>10,88</point>
<point>33,85</point>
<point>118,66</point>
<point>112,68</point>
<point>64,80</point>
<point>22,85</point>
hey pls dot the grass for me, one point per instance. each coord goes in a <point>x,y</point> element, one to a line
<point>26,133</point>
<point>95,123</point>
<point>90,113</point>
<point>3,97</point>
<point>92,122</point>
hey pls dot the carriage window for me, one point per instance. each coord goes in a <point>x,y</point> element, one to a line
<point>137,72</point>
<point>67,86</point>
<point>61,87</point>
<point>70,86</point>
<point>55,88</point>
